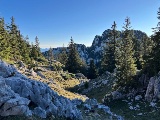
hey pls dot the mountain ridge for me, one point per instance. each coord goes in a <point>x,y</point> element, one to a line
<point>95,51</point>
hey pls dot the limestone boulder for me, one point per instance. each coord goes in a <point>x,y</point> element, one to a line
<point>11,103</point>
<point>153,89</point>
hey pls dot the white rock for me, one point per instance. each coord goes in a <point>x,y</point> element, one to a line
<point>138,97</point>
<point>11,103</point>
<point>131,107</point>
<point>153,91</point>
<point>16,91</point>
<point>152,104</point>
<point>139,114</point>
<point>137,106</point>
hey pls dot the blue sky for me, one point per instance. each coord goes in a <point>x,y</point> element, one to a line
<point>55,21</point>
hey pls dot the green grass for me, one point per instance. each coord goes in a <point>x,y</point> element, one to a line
<point>148,112</point>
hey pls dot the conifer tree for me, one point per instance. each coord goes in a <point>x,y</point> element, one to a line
<point>37,43</point>
<point>14,40</point>
<point>92,71</point>
<point>108,60</point>
<point>34,53</point>
<point>136,47</point>
<point>62,57</point>
<point>35,50</point>
<point>50,55</point>
<point>24,49</point>
<point>4,41</point>
<point>74,63</point>
<point>146,45</point>
<point>153,62</point>
<point>125,61</point>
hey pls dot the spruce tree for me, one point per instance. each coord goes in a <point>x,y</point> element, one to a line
<point>92,71</point>
<point>152,66</point>
<point>62,57</point>
<point>37,43</point>
<point>125,61</point>
<point>137,51</point>
<point>14,40</point>
<point>34,53</point>
<point>74,63</point>
<point>50,55</point>
<point>108,60</point>
<point>4,41</point>
<point>24,49</point>
<point>146,45</point>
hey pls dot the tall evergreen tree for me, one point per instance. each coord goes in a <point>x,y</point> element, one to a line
<point>108,60</point>
<point>35,50</point>
<point>4,41</point>
<point>92,71</point>
<point>50,55</point>
<point>14,39</point>
<point>153,61</point>
<point>37,43</point>
<point>24,48</point>
<point>34,53</point>
<point>74,63</point>
<point>146,45</point>
<point>125,61</point>
<point>137,51</point>
<point>62,57</point>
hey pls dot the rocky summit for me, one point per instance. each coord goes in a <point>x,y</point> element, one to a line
<point>95,51</point>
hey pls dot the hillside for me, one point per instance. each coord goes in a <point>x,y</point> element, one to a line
<point>28,94</point>
<point>140,103</point>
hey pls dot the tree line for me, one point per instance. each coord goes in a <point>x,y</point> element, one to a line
<point>14,46</point>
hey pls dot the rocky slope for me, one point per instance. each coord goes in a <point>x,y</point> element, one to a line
<point>138,103</point>
<point>23,96</point>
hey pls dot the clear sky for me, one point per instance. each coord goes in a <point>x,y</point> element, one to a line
<point>55,21</point>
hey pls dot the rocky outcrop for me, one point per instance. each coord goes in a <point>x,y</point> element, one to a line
<point>11,103</point>
<point>91,105</point>
<point>80,76</point>
<point>22,96</point>
<point>95,51</point>
<point>115,95</point>
<point>153,89</point>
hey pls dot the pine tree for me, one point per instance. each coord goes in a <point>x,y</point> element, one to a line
<point>108,60</point>
<point>34,53</point>
<point>92,71</point>
<point>137,54</point>
<point>153,62</point>
<point>24,48</point>
<point>14,40</point>
<point>50,55</point>
<point>4,41</point>
<point>125,61</point>
<point>62,57</point>
<point>37,43</point>
<point>74,63</point>
<point>35,50</point>
<point>146,45</point>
